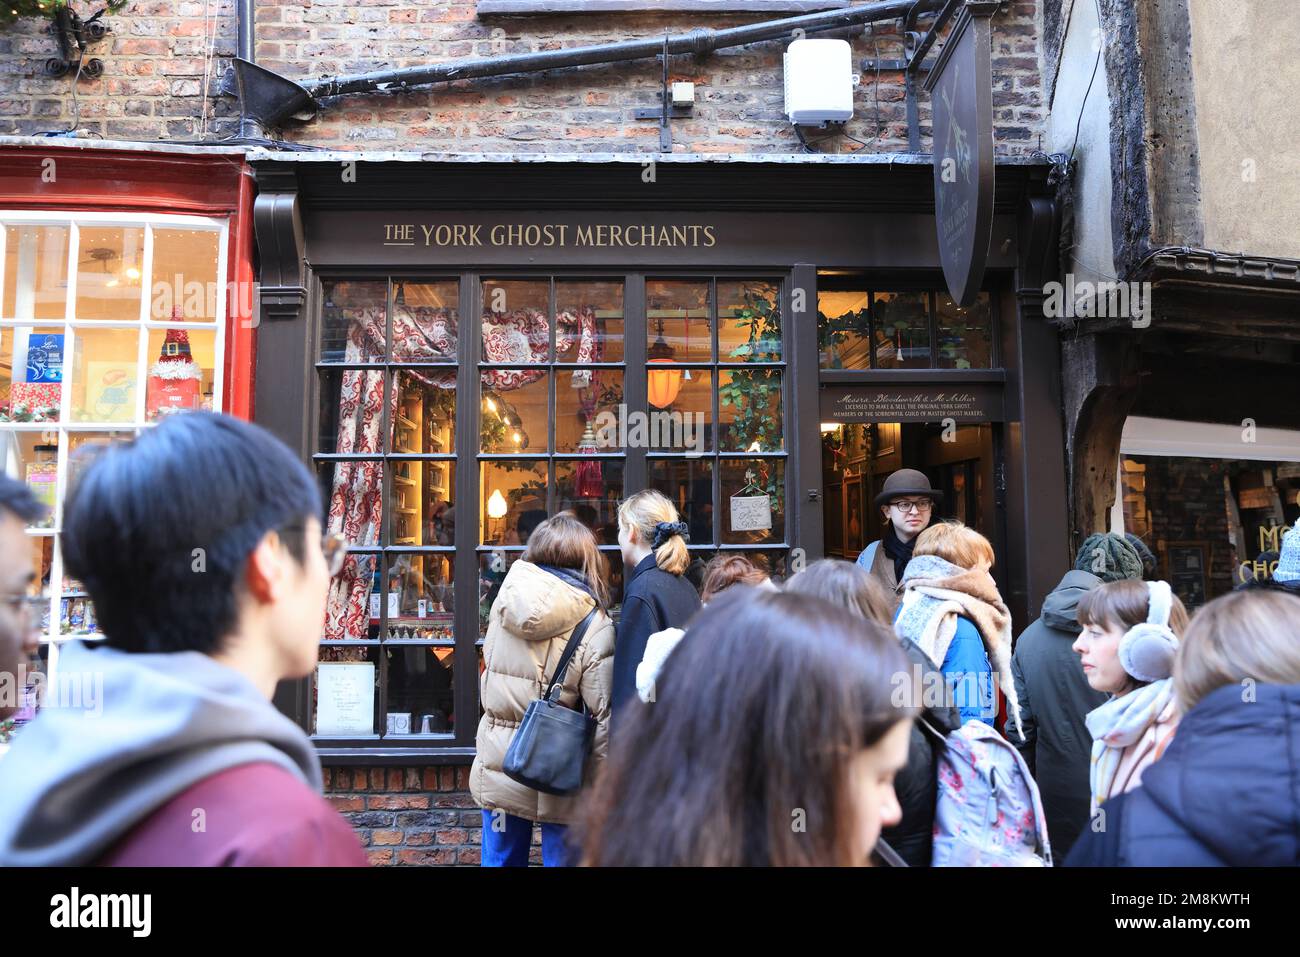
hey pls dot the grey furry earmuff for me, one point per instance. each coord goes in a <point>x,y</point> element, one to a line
<point>1147,650</point>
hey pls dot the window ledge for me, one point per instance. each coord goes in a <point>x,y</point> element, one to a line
<point>393,757</point>
<point>488,8</point>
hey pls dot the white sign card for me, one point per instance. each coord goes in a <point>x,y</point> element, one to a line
<point>750,513</point>
<point>345,698</point>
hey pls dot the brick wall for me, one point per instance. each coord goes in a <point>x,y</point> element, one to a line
<point>162,55</point>
<point>411,816</point>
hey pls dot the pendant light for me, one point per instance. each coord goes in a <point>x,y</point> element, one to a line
<point>662,385</point>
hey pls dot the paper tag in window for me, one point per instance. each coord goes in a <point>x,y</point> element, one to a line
<point>750,513</point>
<point>423,606</point>
<point>394,604</point>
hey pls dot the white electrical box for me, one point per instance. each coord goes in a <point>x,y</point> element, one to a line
<point>819,81</point>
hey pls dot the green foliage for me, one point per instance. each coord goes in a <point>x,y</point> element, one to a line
<point>831,332</point>
<point>755,394</point>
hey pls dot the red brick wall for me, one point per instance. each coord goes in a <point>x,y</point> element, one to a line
<point>403,816</point>
<point>159,54</point>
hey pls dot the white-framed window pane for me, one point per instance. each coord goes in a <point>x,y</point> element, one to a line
<point>110,272</point>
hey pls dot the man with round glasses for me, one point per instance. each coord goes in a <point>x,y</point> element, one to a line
<point>907,505</point>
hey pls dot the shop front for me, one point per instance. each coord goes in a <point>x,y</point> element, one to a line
<point>120,271</point>
<point>1211,501</point>
<point>462,348</point>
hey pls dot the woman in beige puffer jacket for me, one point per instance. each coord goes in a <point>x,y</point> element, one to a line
<point>544,596</point>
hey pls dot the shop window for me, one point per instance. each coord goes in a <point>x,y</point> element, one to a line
<point>108,322</point>
<point>387,407</point>
<point>551,415</point>
<point>551,430</point>
<point>1211,524</point>
<point>717,430</point>
<point>862,328</point>
<point>965,334</point>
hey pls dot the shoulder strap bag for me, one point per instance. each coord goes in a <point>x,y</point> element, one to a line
<point>550,746</point>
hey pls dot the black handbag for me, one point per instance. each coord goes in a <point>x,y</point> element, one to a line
<point>550,747</point>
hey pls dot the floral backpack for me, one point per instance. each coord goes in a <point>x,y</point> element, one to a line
<point>988,812</point>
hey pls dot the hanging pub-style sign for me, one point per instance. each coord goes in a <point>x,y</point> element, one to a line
<point>961,103</point>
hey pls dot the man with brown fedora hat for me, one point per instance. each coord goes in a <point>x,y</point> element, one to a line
<point>907,504</point>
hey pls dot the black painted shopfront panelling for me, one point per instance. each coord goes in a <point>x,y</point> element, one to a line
<point>705,251</point>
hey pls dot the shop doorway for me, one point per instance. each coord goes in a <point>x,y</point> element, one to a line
<point>857,458</point>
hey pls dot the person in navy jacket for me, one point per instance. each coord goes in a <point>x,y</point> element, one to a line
<point>1223,792</point>
<point>655,595</point>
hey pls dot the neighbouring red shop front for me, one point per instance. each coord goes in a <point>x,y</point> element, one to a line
<point>125,295</point>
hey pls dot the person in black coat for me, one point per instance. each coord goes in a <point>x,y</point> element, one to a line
<point>1223,793</point>
<point>1055,697</point>
<point>655,593</point>
<point>917,785</point>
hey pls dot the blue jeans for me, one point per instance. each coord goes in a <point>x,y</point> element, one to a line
<point>509,847</point>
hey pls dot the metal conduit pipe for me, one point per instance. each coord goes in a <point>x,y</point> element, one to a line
<point>268,99</point>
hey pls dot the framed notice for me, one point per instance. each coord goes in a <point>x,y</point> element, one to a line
<point>751,513</point>
<point>345,698</point>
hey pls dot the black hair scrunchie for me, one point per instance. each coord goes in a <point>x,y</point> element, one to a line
<point>666,530</point>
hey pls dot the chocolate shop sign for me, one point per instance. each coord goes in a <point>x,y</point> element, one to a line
<point>928,403</point>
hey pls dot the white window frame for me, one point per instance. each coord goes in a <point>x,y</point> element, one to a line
<point>74,220</point>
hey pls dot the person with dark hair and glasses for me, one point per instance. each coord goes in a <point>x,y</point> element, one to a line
<point>19,609</point>
<point>200,545</point>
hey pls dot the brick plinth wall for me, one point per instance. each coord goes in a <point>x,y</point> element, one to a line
<point>410,816</point>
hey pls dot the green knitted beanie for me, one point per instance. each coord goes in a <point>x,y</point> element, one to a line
<point>1109,557</point>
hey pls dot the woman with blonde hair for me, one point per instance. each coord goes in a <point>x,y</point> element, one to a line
<point>953,612</point>
<point>655,593</point>
<point>1223,793</point>
<point>1131,630</point>
<point>545,595</point>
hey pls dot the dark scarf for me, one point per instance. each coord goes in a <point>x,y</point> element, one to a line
<point>569,576</point>
<point>898,550</point>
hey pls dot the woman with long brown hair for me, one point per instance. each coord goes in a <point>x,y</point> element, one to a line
<point>773,741</point>
<point>854,588</point>
<point>546,593</point>
<point>1130,634</point>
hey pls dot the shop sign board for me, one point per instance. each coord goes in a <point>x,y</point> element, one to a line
<point>961,102</point>
<point>974,402</point>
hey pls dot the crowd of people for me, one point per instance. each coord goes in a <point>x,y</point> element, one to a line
<point>878,712</point>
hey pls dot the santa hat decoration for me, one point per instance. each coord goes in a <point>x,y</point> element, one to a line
<point>175,361</point>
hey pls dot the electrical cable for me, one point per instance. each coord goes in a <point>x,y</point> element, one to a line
<point>1096,63</point>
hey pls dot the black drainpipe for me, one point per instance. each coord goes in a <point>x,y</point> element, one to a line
<point>245,13</point>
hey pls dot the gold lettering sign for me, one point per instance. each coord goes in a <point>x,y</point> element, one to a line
<point>530,235</point>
